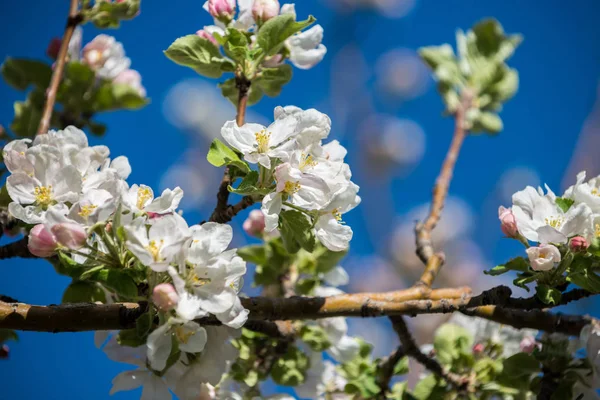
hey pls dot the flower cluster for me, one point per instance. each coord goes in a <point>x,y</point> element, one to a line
<point>551,221</point>
<point>304,49</point>
<point>81,206</point>
<point>300,171</point>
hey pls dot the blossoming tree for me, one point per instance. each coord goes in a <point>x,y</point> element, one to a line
<point>166,297</point>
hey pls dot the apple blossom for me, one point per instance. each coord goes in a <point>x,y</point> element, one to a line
<point>329,228</point>
<point>71,236</point>
<point>306,49</point>
<point>528,344</point>
<point>203,33</point>
<point>133,79</point>
<point>190,336</point>
<point>140,198</point>
<point>165,296</point>
<point>543,257</point>
<point>223,10</point>
<point>254,225</point>
<point>105,56</point>
<point>264,10</point>
<point>508,223</point>
<point>578,243</point>
<point>42,242</point>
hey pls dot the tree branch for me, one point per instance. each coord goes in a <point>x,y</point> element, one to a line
<point>423,230</point>
<point>73,20</point>
<point>84,317</point>
<point>223,211</point>
<point>412,350</point>
<point>386,370</point>
<point>16,249</point>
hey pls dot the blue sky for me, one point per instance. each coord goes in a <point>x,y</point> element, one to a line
<point>559,66</point>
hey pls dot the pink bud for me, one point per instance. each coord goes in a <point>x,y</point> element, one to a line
<point>42,242</point>
<point>273,61</point>
<point>206,35</point>
<point>254,225</point>
<point>508,222</point>
<point>4,352</point>
<point>53,48</point>
<point>528,344</point>
<point>72,236</point>
<point>165,297</point>
<point>578,243</point>
<point>478,348</point>
<point>133,79</point>
<point>543,257</point>
<point>264,10</point>
<point>223,10</point>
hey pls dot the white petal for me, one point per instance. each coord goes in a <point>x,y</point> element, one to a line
<point>333,235</point>
<point>271,207</point>
<point>243,137</point>
<point>155,389</point>
<point>167,202</point>
<point>281,130</point>
<point>21,187</point>
<point>159,347</point>
<point>547,234</point>
<point>122,166</point>
<point>236,317</point>
<point>337,277</point>
<point>129,380</point>
<point>196,339</point>
<point>209,240</point>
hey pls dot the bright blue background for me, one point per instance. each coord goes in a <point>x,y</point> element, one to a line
<point>559,65</point>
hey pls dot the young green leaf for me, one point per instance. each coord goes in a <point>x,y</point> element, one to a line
<point>220,154</point>
<point>564,203</point>
<point>548,295</point>
<point>20,73</point>
<point>275,31</point>
<point>296,231</point>
<point>83,292</point>
<point>199,54</point>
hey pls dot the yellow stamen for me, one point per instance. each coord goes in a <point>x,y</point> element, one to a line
<point>43,195</point>
<point>554,222</point>
<point>196,281</point>
<point>595,192</point>
<point>597,230</point>
<point>336,214</point>
<point>307,161</point>
<point>291,187</point>
<point>154,249</point>
<point>87,210</point>
<point>183,335</point>
<point>262,139</point>
<point>143,195</point>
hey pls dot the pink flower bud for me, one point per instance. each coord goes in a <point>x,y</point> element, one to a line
<point>254,225</point>
<point>544,257</point>
<point>206,35</point>
<point>528,344</point>
<point>165,297</point>
<point>133,79</point>
<point>42,242</point>
<point>4,352</point>
<point>264,10</point>
<point>223,10</point>
<point>578,243</point>
<point>53,48</point>
<point>72,236</point>
<point>273,61</point>
<point>508,222</point>
<point>478,348</point>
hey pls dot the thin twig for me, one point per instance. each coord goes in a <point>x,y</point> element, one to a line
<point>412,350</point>
<point>423,230</point>
<point>386,370</point>
<point>73,20</point>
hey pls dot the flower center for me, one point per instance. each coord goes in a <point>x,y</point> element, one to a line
<point>197,281</point>
<point>336,214</point>
<point>596,192</point>
<point>597,230</point>
<point>291,188</point>
<point>43,195</point>
<point>262,139</point>
<point>143,195</point>
<point>87,210</point>
<point>154,249</point>
<point>554,222</point>
<point>307,161</point>
<point>183,335</point>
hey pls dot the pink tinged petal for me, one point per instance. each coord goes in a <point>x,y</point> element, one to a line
<point>129,380</point>
<point>195,337</point>
<point>159,347</point>
<point>71,236</point>
<point>41,242</point>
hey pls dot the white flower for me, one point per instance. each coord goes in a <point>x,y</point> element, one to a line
<point>140,198</point>
<point>336,277</point>
<point>590,337</point>
<point>158,246</point>
<point>258,143</point>
<point>133,79</point>
<point>51,183</point>
<point>312,125</point>
<point>543,257</point>
<point>190,336</point>
<point>14,156</point>
<point>306,49</point>
<point>105,56</point>
<point>329,229</point>
<point>322,381</point>
<point>303,190</point>
<point>540,219</point>
<point>94,206</point>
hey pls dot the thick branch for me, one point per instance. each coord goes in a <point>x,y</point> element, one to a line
<point>16,249</point>
<point>412,350</point>
<point>423,230</point>
<point>73,20</point>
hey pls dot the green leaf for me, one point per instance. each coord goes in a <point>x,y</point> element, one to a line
<point>248,186</point>
<point>296,231</point>
<point>521,364</point>
<point>91,272</point>
<point>235,45</point>
<point>255,254</point>
<point>220,154</point>
<point>230,91</point>
<point>434,56</point>
<point>275,31</point>
<point>5,199</point>
<point>523,279</point>
<point>401,367</point>
<point>315,337</point>
<point>27,118</point>
<point>20,73</point>
<point>117,96</point>
<point>429,388</point>
<point>492,42</point>
<point>199,54</point>
<point>450,342</point>
<point>8,334</point>
<point>83,292</point>
<point>515,264</point>
<point>65,265</point>
<point>143,324</point>
<point>487,121</point>
<point>271,80</point>
<point>130,338</point>
<point>547,294</point>
<point>506,86</point>
<point>107,14</point>
<point>564,203</point>
<point>290,369</point>
<point>119,281</point>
